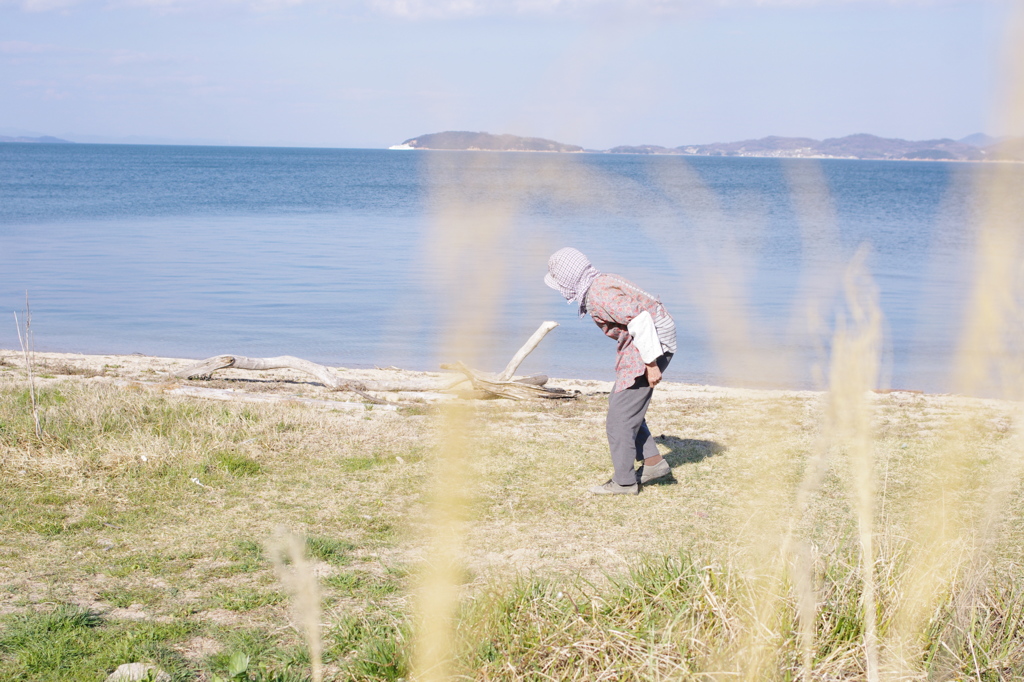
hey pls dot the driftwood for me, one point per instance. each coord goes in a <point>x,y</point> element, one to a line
<point>210,365</point>
<point>329,379</point>
<point>527,348</point>
<point>498,384</point>
<point>520,389</point>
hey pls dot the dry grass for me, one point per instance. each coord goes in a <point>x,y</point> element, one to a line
<point>104,513</point>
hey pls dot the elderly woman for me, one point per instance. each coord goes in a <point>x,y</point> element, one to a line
<point>646,336</point>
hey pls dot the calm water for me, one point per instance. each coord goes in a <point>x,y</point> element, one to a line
<point>341,256</point>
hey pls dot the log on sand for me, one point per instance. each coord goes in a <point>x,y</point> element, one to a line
<point>527,348</point>
<point>210,365</point>
<point>520,389</point>
<point>497,384</point>
<point>324,374</point>
<point>207,367</point>
<point>517,390</point>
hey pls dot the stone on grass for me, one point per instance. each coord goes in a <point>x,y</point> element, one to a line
<point>134,672</point>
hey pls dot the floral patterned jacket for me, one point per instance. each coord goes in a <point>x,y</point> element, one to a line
<point>613,301</point>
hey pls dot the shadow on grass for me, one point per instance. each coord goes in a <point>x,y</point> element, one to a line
<point>685,451</point>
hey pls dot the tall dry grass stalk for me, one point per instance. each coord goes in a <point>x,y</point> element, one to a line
<point>713,268</point>
<point>288,553</point>
<point>956,516</point>
<point>821,262</point>
<point>820,243</point>
<point>469,252</point>
<point>27,341</point>
<point>853,374</point>
<point>767,508</point>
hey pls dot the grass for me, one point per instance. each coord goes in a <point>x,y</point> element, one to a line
<point>245,598</point>
<point>69,643</point>
<point>113,553</point>
<point>331,550</point>
<point>235,463</point>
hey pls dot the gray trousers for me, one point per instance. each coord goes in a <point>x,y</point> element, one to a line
<point>629,439</point>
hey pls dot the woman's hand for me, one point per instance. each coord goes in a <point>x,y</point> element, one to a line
<point>653,374</point>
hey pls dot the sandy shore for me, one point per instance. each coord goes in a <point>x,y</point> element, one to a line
<point>383,382</point>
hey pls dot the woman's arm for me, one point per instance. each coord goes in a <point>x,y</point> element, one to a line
<point>653,374</point>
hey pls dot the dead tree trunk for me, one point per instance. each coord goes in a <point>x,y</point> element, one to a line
<point>210,365</point>
<point>521,389</point>
<point>527,348</point>
<point>517,390</point>
<point>497,384</point>
<point>330,380</point>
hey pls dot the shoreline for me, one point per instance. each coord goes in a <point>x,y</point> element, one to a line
<point>386,382</point>
<point>525,151</point>
<point>602,152</point>
<point>149,369</point>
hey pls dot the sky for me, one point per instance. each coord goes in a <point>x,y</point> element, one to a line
<point>598,73</point>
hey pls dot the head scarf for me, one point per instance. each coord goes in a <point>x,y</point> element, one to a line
<point>571,274</point>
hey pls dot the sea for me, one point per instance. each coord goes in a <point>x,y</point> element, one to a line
<point>362,258</point>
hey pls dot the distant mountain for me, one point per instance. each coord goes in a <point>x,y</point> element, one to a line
<point>766,146</point>
<point>850,147</point>
<point>642,149</point>
<point>977,147</point>
<point>45,139</point>
<point>466,141</point>
<point>981,140</point>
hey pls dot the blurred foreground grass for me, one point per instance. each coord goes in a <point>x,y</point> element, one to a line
<point>135,530</point>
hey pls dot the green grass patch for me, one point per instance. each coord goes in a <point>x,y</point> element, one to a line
<point>361,584</point>
<point>351,464</point>
<point>331,550</point>
<point>372,646</point>
<point>70,644</point>
<point>246,556</point>
<point>380,531</point>
<point>235,463</point>
<point>424,410</point>
<point>124,597</point>
<point>240,668</point>
<point>153,564</point>
<point>245,598</point>
<point>253,655</point>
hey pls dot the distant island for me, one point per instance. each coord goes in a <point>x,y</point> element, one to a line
<point>466,141</point>
<point>977,147</point>
<point>45,139</point>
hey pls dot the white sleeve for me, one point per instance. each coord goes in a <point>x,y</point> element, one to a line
<point>645,337</point>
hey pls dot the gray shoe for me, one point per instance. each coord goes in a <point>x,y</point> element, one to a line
<point>613,488</point>
<point>654,472</point>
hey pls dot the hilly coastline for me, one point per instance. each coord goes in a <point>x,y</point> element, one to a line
<point>467,141</point>
<point>977,147</point>
<point>45,139</point>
